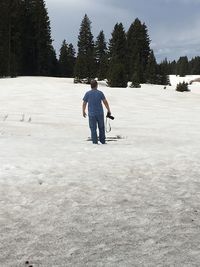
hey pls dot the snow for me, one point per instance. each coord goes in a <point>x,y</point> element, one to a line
<point>67,202</point>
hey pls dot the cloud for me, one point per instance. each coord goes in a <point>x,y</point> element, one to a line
<point>69,3</point>
<point>173,25</point>
<point>66,17</point>
<point>173,41</point>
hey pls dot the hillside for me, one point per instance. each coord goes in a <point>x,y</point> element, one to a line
<point>67,202</point>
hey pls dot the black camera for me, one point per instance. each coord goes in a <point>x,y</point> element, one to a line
<point>109,116</point>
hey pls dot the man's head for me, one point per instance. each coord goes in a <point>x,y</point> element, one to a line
<point>93,84</point>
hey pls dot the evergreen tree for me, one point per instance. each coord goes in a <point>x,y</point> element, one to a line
<point>136,73</point>
<point>151,69</point>
<point>138,44</point>
<point>52,62</point>
<point>29,55</point>
<point>38,57</point>
<point>71,60</point>
<point>182,66</point>
<point>85,62</point>
<point>101,56</point>
<point>182,87</point>
<point>9,37</point>
<point>172,67</point>
<point>194,66</point>
<point>25,39</point>
<point>4,40</point>
<point>42,37</point>
<point>185,67</point>
<point>117,75</point>
<point>44,41</point>
<point>63,60</point>
<point>66,60</point>
<point>164,70</point>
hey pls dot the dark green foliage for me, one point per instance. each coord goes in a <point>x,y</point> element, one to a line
<point>52,63</point>
<point>151,69</point>
<point>163,79</point>
<point>135,81</point>
<point>66,60</point>
<point>138,45</point>
<point>26,49</point>
<point>101,55</point>
<point>85,66</point>
<point>117,74</point>
<point>137,74</point>
<point>117,45</point>
<point>182,87</point>
<point>194,66</point>
<point>172,67</point>
<point>135,85</point>
<point>37,43</point>
<point>10,11</point>
<point>182,66</point>
<point>25,39</point>
<point>163,71</point>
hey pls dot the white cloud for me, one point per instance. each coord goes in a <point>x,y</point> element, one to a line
<point>173,25</point>
<point>69,2</point>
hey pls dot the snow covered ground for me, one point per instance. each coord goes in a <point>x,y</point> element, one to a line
<point>67,202</point>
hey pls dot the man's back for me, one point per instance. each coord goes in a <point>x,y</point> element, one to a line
<point>94,99</point>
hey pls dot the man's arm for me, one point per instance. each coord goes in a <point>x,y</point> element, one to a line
<point>83,108</point>
<point>106,105</point>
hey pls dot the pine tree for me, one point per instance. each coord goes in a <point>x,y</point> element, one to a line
<point>182,87</point>
<point>9,37</point>
<point>66,60</point>
<point>52,62</point>
<point>151,69</point>
<point>25,39</point>
<point>43,37</point>
<point>101,56</point>
<point>85,62</point>
<point>4,40</point>
<point>38,52</point>
<point>138,45</point>
<point>136,75</point>
<point>71,60</point>
<point>172,67</point>
<point>29,55</point>
<point>117,74</point>
<point>182,66</point>
<point>194,66</point>
<point>164,69</point>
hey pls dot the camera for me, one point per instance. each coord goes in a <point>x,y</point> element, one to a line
<point>109,116</point>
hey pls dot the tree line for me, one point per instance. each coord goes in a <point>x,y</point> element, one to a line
<point>26,49</point>
<point>25,39</point>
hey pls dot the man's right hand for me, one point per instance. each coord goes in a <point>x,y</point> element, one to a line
<point>84,114</point>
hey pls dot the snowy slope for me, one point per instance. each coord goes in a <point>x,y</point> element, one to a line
<point>66,202</point>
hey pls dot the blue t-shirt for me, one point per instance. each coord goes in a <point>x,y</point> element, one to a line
<point>94,98</point>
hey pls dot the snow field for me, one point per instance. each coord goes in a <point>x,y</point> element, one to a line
<point>66,202</point>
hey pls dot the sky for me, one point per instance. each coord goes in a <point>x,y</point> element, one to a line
<point>173,25</point>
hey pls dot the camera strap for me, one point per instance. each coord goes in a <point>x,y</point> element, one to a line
<point>108,125</point>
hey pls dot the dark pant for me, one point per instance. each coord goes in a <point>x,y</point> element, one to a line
<point>93,122</point>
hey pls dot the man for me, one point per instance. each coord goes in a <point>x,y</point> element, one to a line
<point>94,99</point>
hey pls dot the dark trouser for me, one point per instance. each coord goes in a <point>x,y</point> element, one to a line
<point>93,122</point>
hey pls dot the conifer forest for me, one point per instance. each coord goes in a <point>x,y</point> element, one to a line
<point>26,49</point>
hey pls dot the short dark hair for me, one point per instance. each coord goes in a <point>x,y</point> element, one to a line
<point>93,84</point>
